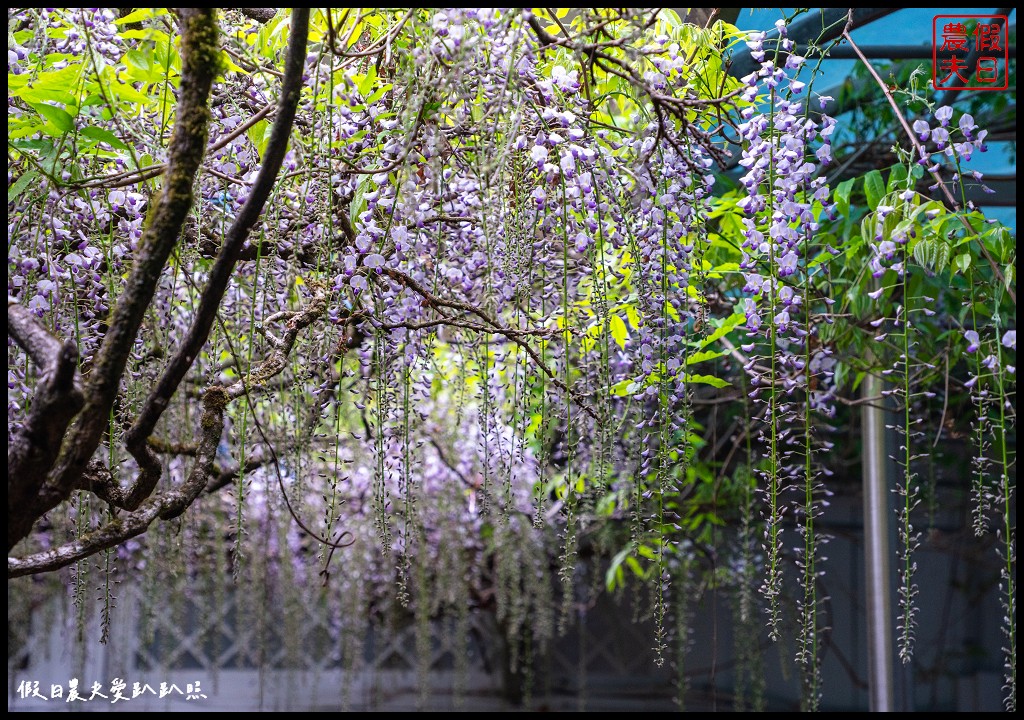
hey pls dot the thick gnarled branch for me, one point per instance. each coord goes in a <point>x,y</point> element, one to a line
<point>32,448</point>
<point>220,274</point>
<point>204,476</point>
<point>164,506</point>
<point>200,52</point>
<point>277,360</point>
<point>260,15</point>
<point>174,203</point>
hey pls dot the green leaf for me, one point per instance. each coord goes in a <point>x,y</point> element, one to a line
<point>963,262</point>
<point>144,34</point>
<point>44,95</point>
<point>897,178</point>
<point>901,229</point>
<point>704,355</point>
<point>728,267</point>
<point>139,15</point>
<point>138,60</point>
<point>378,94</point>
<point>127,93</point>
<point>707,380</point>
<point>259,136</point>
<point>671,310</point>
<point>824,257</point>
<point>842,196</point>
<point>62,79</point>
<point>357,32</point>
<point>634,317</point>
<point>874,188</point>
<point>619,332</point>
<point>942,253</point>
<point>613,576</point>
<point>29,128</point>
<point>20,184</point>
<point>101,135</point>
<point>140,67</point>
<point>922,252</point>
<point>623,388</point>
<point>647,552</point>
<point>867,230</point>
<point>634,565</point>
<point>93,99</point>
<point>44,147</point>
<point>366,83</point>
<point>358,204</point>
<point>724,329</point>
<point>60,118</point>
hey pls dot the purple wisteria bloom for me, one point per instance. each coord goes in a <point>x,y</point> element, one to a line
<point>973,341</point>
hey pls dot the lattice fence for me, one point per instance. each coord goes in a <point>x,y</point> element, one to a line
<point>305,657</point>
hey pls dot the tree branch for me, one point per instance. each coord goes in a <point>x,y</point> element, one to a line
<point>32,448</point>
<point>165,506</point>
<point>493,326</point>
<point>134,177</point>
<point>220,275</point>
<point>200,52</point>
<point>260,15</point>
<point>277,359</point>
<point>204,476</point>
<point>922,153</point>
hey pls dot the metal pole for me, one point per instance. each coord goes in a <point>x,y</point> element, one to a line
<point>889,52</point>
<point>820,26</point>
<point>878,601</point>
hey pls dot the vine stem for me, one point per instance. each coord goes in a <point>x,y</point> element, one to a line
<point>924,153</point>
<point>773,581</point>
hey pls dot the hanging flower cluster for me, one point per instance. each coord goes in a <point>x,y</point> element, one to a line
<point>471,311</point>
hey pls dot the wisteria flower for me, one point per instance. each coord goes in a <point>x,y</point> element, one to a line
<point>565,80</point>
<point>753,317</point>
<point>967,125</point>
<point>782,320</point>
<point>539,154</point>
<point>973,341</point>
<point>787,265</point>
<point>923,129</point>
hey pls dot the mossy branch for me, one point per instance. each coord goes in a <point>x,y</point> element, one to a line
<point>200,51</point>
